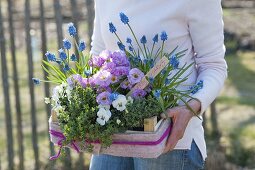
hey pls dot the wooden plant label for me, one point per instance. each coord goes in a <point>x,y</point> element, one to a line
<point>152,73</point>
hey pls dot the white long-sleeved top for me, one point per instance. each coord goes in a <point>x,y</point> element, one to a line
<point>195,25</point>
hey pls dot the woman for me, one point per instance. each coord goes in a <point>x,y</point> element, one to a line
<point>195,25</point>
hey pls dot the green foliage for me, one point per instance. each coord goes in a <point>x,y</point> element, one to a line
<point>141,109</point>
<point>78,121</point>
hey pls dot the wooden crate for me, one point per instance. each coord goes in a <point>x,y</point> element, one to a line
<point>129,144</point>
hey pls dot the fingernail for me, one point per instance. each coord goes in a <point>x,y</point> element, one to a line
<point>163,115</point>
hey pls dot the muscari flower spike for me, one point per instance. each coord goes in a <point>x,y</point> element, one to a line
<point>112,28</point>
<point>151,63</point>
<point>36,81</point>
<point>131,48</point>
<point>124,18</point>
<point>174,62</point>
<point>145,61</point>
<point>163,36</point>
<point>59,61</point>
<point>157,93</point>
<point>121,46</point>
<point>167,81</point>
<point>72,30</point>
<point>163,72</point>
<point>129,41</point>
<point>87,72</point>
<point>113,96</point>
<point>82,46</point>
<point>62,54</point>
<point>143,40</point>
<point>73,57</point>
<point>155,38</point>
<point>66,68</point>
<point>50,56</point>
<point>197,87</point>
<point>67,44</point>
<point>151,80</point>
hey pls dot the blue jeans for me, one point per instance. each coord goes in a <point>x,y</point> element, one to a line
<point>174,160</point>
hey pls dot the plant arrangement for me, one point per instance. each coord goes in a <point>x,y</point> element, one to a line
<point>98,96</point>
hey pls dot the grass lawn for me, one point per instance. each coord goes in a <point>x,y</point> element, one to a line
<point>236,110</point>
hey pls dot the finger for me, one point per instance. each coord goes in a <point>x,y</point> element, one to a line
<point>164,115</point>
<point>169,113</point>
<point>172,140</point>
<point>171,143</point>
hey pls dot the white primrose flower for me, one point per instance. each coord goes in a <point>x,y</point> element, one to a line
<point>59,109</point>
<point>103,116</point>
<point>130,99</point>
<point>120,103</point>
<point>118,121</point>
<point>106,107</point>
<point>68,92</point>
<point>61,91</point>
<point>47,100</point>
<point>56,95</point>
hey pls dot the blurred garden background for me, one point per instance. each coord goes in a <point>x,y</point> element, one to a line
<point>29,28</point>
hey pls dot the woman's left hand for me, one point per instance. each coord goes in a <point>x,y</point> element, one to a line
<point>181,116</point>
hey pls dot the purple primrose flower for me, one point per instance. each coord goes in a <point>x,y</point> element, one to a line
<point>96,61</point>
<point>120,58</point>
<point>105,55</point>
<point>138,93</point>
<point>102,78</point>
<point>103,98</point>
<point>120,71</point>
<point>126,85</point>
<point>135,76</point>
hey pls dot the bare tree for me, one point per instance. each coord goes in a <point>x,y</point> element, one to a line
<point>8,116</point>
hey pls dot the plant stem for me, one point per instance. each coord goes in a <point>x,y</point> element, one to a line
<point>162,48</point>
<point>118,37</point>
<point>135,38</point>
<point>145,51</point>
<point>152,48</point>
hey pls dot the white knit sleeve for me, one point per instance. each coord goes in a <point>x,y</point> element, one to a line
<point>206,31</point>
<point>97,43</point>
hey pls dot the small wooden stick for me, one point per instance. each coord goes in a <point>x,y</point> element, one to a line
<point>54,116</point>
<point>150,123</point>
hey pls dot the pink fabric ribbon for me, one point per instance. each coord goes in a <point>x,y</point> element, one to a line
<point>61,139</point>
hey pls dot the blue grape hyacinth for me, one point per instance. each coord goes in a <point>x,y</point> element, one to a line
<point>67,44</point>
<point>112,28</point>
<point>121,46</point>
<point>143,40</point>
<point>72,30</point>
<point>82,46</point>
<point>124,18</point>
<point>155,38</point>
<point>151,80</point>
<point>194,89</point>
<point>66,68</point>
<point>62,54</point>
<point>36,81</point>
<point>50,56</point>
<point>73,57</point>
<point>130,48</point>
<point>87,72</point>
<point>129,41</point>
<point>113,96</point>
<point>157,93</point>
<point>174,62</point>
<point>163,36</point>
